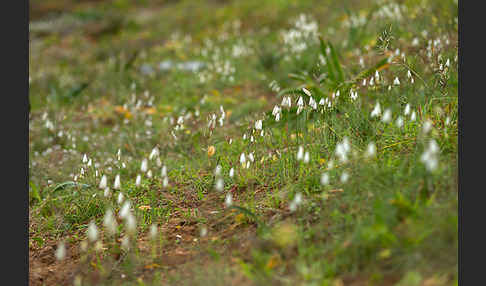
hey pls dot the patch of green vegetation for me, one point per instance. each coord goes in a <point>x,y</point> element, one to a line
<point>354,180</point>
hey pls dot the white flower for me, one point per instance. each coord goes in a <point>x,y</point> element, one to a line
<point>158,162</point>
<point>306,91</point>
<point>217,171</point>
<point>103,182</point>
<point>228,201</point>
<point>250,156</point>
<point>312,103</point>
<point>92,232</point>
<point>138,181</point>
<point>165,182</point>
<point>242,158</point>
<point>364,82</point>
<point>300,153</point>
<point>330,165</point>
<point>286,102</point>
<point>90,162</point>
<point>155,153</point>
<point>306,157</point>
<point>120,198</point>
<point>430,156</point>
<point>295,202</point>
<point>399,122</point>
<point>396,81</point>
<point>300,101</point>
<point>409,74</point>
<point>407,109</point>
<point>370,150</point>
<point>163,173</point>
<point>377,76</point>
<point>276,112</point>
<point>344,177</point>
<point>117,184</point>
<point>85,158</point>
<point>387,116</point>
<point>109,222</point>
<point>125,210</point>
<point>219,184</point>
<point>324,179</point>
<point>342,150</point>
<point>153,232</point>
<point>258,124</point>
<point>413,116</point>
<point>376,111</point>
<point>448,120</point>
<point>427,126</point>
<point>149,174</point>
<point>125,244</point>
<point>231,172</point>
<point>106,192</point>
<point>300,105</point>
<point>144,165</point>
<point>204,231</point>
<point>118,154</point>
<point>61,251</point>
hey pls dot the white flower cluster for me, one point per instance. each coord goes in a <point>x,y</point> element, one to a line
<point>297,39</point>
<point>430,156</point>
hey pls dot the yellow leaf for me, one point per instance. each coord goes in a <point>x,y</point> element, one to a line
<point>215,92</point>
<point>211,151</point>
<point>240,218</point>
<point>150,110</point>
<point>128,115</point>
<point>120,109</point>
<point>273,262</point>
<point>385,253</point>
<point>152,266</point>
<point>143,208</point>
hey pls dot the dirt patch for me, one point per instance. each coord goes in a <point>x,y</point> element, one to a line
<point>183,244</point>
<point>44,269</point>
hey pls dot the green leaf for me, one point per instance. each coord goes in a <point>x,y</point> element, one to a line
<point>68,184</point>
<point>39,240</point>
<point>337,65</point>
<point>298,77</point>
<point>330,70</point>
<point>292,90</point>
<point>76,91</point>
<point>35,191</point>
<point>364,74</point>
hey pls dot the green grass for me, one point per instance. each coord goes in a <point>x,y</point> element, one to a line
<point>392,222</point>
